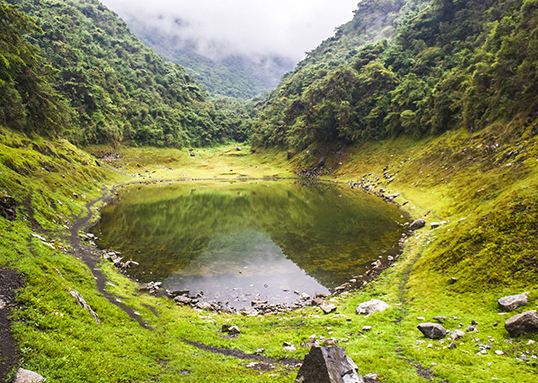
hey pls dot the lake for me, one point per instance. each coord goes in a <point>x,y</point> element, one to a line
<point>239,241</point>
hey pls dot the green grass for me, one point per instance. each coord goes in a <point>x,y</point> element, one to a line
<point>492,253</point>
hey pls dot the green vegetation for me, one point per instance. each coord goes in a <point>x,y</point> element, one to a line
<point>457,175</point>
<point>462,70</point>
<point>452,64</point>
<point>117,89</point>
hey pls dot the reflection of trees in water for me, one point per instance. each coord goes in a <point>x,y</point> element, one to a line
<point>324,229</point>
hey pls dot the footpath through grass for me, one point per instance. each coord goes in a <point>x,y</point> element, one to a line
<point>484,185</point>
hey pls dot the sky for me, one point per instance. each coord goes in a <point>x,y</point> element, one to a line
<point>254,28</point>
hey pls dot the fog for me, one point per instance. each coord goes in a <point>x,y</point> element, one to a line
<point>254,28</point>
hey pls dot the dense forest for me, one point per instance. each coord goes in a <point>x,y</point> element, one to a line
<point>450,64</point>
<point>94,82</point>
<point>412,67</point>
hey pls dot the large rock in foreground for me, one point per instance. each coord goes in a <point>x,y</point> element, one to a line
<point>328,365</point>
<point>432,330</point>
<point>373,306</point>
<point>521,324</point>
<point>512,302</point>
<point>25,376</point>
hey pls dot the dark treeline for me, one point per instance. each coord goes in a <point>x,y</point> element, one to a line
<point>451,64</point>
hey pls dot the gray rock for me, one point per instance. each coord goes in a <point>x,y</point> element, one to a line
<point>248,312</point>
<point>25,376</point>
<point>521,324</point>
<point>183,300</point>
<point>418,224</point>
<point>512,302</point>
<point>3,304</point>
<point>230,329</point>
<point>457,334</point>
<point>372,306</point>
<point>328,365</point>
<point>203,306</point>
<point>327,308</point>
<point>432,330</point>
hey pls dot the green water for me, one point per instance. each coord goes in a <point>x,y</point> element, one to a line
<point>245,240</point>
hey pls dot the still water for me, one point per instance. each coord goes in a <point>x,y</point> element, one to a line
<point>249,240</point>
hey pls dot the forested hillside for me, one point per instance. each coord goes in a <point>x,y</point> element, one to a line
<point>115,88</point>
<point>451,64</point>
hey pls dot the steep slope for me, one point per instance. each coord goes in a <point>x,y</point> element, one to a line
<point>118,89</point>
<point>452,64</point>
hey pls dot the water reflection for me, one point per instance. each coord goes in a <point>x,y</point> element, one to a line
<point>230,240</point>
<point>259,270</point>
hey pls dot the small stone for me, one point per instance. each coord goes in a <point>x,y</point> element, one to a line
<point>530,342</point>
<point>417,224</point>
<point>432,330</point>
<point>452,280</point>
<point>327,308</point>
<point>372,376</point>
<point>372,306</point>
<point>230,329</point>
<point>452,346</point>
<point>26,376</point>
<point>367,328</point>
<point>512,302</point>
<point>290,348</point>
<point>457,334</point>
<point>3,304</point>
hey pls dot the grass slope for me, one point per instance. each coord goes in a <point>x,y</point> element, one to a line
<point>491,253</point>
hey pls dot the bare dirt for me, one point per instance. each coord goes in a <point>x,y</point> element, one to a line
<point>10,282</point>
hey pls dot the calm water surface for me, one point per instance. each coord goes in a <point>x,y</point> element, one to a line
<point>245,240</point>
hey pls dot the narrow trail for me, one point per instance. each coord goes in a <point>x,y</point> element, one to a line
<point>421,371</point>
<point>91,259</point>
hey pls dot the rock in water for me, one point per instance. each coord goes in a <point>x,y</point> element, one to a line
<point>432,330</point>
<point>418,224</point>
<point>373,306</point>
<point>25,376</point>
<point>328,365</point>
<point>521,324</point>
<point>512,302</point>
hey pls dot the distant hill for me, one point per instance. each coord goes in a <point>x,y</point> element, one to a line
<point>116,89</point>
<point>236,75</point>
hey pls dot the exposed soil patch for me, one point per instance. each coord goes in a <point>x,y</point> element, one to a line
<point>244,356</point>
<point>10,282</point>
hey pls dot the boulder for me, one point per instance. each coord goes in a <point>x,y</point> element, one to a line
<point>25,376</point>
<point>418,224</point>
<point>521,324</point>
<point>432,330</point>
<point>512,302</point>
<point>328,365</point>
<point>372,306</point>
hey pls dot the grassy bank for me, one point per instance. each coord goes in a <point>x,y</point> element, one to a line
<point>484,185</point>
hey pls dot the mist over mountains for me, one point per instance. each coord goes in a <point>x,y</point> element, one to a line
<point>236,48</point>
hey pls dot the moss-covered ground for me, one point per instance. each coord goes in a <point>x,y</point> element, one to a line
<point>484,185</point>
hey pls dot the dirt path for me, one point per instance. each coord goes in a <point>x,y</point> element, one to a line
<point>87,254</point>
<point>10,282</point>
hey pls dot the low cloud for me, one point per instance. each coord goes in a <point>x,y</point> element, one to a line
<point>255,28</point>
